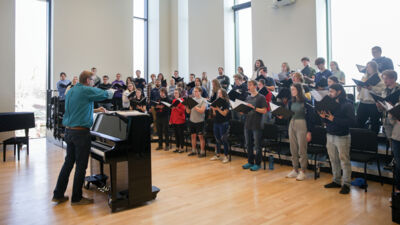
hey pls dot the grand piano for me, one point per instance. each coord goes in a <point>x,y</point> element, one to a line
<point>121,142</point>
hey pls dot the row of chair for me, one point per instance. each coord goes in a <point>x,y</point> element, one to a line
<point>364,143</point>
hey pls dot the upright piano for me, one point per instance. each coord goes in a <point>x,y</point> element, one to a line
<point>121,141</point>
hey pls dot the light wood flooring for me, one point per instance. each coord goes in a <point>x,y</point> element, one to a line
<point>193,191</point>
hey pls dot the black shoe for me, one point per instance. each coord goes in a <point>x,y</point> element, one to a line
<point>192,154</point>
<point>345,190</point>
<point>202,155</point>
<point>159,148</point>
<point>181,151</point>
<point>166,148</point>
<point>332,185</point>
<point>60,200</point>
<point>176,151</point>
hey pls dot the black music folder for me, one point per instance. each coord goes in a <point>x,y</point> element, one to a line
<point>190,102</point>
<point>234,94</point>
<point>176,103</point>
<point>392,98</point>
<point>263,91</point>
<point>327,104</point>
<point>191,85</point>
<point>140,102</point>
<point>285,83</point>
<point>132,95</point>
<point>372,81</point>
<point>241,106</point>
<point>281,111</point>
<point>65,85</point>
<point>219,102</point>
<point>118,86</point>
<point>361,68</point>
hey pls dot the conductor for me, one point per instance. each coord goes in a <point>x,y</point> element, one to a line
<point>78,119</point>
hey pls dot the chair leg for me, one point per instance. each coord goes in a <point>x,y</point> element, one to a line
<point>18,151</point>
<point>365,176</point>
<point>4,152</point>
<point>315,166</point>
<point>14,149</point>
<point>379,171</point>
<point>264,159</point>
<point>27,148</point>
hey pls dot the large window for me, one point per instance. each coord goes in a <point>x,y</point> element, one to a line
<point>31,61</point>
<point>357,26</point>
<point>140,36</point>
<point>243,36</point>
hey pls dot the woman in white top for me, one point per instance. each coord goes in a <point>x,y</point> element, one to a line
<point>125,96</point>
<point>205,83</point>
<point>367,108</point>
<point>257,65</point>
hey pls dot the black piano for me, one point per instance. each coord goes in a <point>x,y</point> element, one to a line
<point>122,143</point>
<point>11,121</point>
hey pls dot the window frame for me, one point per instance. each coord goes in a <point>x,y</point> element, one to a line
<point>146,38</point>
<point>236,8</point>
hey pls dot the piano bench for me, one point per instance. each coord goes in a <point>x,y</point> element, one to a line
<point>17,142</point>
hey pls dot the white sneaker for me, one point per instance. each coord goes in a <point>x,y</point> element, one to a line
<point>225,160</point>
<point>292,174</point>
<point>215,157</point>
<point>301,176</point>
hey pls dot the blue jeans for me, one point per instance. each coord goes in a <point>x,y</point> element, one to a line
<point>78,149</point>
<point>253,138</point>
<point>221,132</point>
<point>396,155</point>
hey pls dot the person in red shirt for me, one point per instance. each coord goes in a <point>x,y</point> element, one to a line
<point>177,120</point>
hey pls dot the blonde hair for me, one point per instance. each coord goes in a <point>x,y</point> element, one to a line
<point>299,76</point>
<point>215,85</point>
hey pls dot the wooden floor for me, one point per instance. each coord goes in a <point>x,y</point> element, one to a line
<point>193,191</point>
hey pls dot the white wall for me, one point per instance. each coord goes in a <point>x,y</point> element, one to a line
<point>206,36</point>
<point>93,33</point>
<point>285,34</point>
<point>7,59</point>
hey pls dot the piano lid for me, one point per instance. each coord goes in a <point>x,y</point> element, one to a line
<point>128,113</point>
<point>10,121</point>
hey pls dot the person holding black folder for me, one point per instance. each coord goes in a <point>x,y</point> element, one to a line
<point>300,127</point>
<point>138,102</point>
<point>177,120</point>
<point>162,113</point>
<point>338,138</point>
<point>220,110</point>
<point>196,122</point>
<point>62,85</point>
<point>253,127</point>
<point>125,95</point>
<point>119,87</point>
<point>367,108</point>
<point>223,79</point>
<point>395,139</point>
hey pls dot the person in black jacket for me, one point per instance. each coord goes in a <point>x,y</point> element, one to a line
<point>162,121</point>
<point>338,139</point>
<point>223,79</point>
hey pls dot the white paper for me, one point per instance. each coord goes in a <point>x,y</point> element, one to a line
<point>319,95</point>
<point>166,103</point>
<point>273,106</point>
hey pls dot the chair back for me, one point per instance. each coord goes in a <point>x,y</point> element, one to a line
<point>270,131</point>
<point>363,140</point>
<point>236,128</point>
<point>318,136</point>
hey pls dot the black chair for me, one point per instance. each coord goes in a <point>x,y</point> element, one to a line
<point>317,146</point>
<point>271,141</point>
<point>364,148</point>
<point>236,136</point>
<point>188,136</point>
<point>209,132</point>
<point>18,142</point>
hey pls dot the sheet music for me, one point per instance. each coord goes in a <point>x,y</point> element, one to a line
<point>273,106</point>
<point>166,103</point>
<point>274,93</point>
<point>319,95</point>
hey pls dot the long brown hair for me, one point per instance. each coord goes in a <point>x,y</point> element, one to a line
<point>224,94</point>
<point>215,86</point>
<point>300,93</point>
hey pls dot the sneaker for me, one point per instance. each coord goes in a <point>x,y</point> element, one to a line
<point>192,154</point>
<point>225,159</point>
<point>159,148</point>
<point>247,166</point>
<point>83,201</point>
<point>255,167</point>
<point>215,157</point>
<point>202,155</point>
<point>181,151</point>
<point>60,200</point>
<point>292,174</point>
<point>345,190</point>
<point>166,148</point>
<point>332,185</point>
<point>301,176</point>
<point>176,151</point>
